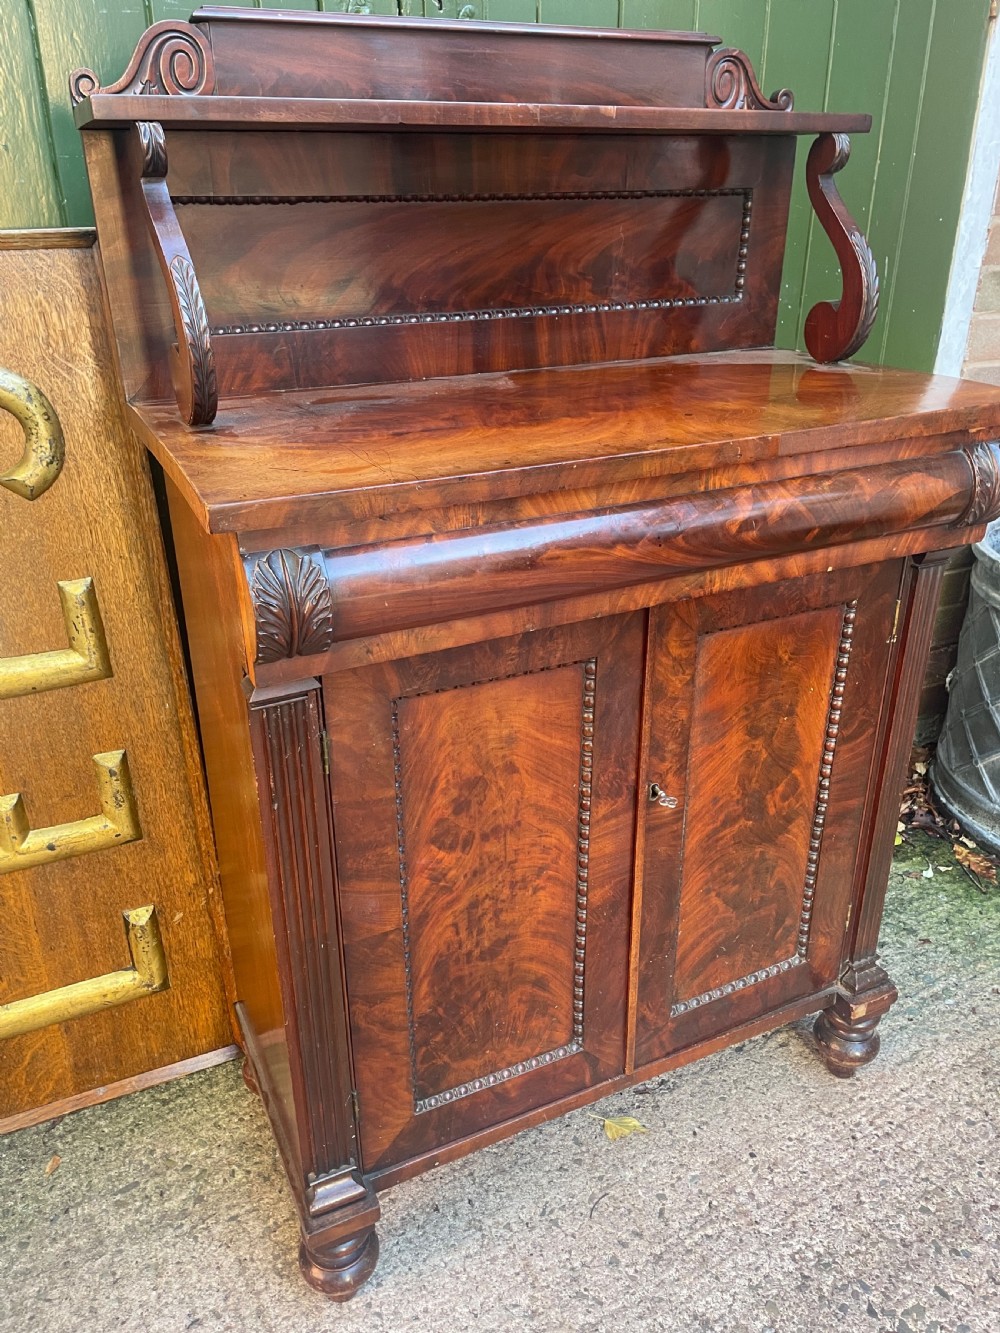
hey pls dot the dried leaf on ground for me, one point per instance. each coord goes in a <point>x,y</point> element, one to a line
<point>52,1164</point>
<point>621,1126</point>
<point>976,862</point>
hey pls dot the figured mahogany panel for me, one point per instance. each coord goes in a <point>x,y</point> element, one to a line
<point>490,851</point>
<point>483,808</point>
<point>762,697</point>
<point>763,721</point>
<point>335,55</point>
<point>361,258</point>
<point>495,257</point>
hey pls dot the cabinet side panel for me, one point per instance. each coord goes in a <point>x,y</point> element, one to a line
<point>762,698</point>
<point>211,611</point>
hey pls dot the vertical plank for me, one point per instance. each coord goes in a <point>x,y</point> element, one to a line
<point>97,34</point>
<point>862,39</point>
<point>680,15</point>
<point>357,7</point>
<point>741,24</point>
<point>510,11</point>
<point>797,57</point>
<point>580,13</point>
<point>453,9</point>
<point>30,195</point>
<point>951,82</point>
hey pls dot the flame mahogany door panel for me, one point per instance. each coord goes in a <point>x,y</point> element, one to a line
<point>763,712</point>
<point>483,804</point>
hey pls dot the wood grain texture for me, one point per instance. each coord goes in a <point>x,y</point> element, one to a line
<point>329,455</point>
<point>437,908</point>
<point>761,701</point>
<point>754,914</point>
<point>596,774</point>
<point>490,859</point>
<point>63,921</point>
<point>405,584</point>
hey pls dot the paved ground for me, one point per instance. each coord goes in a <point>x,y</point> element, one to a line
<point>766,1195</point>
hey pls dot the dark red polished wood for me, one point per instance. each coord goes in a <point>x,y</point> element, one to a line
<point>556,639</point>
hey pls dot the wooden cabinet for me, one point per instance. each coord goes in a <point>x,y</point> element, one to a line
<point>483,802</point>
<point>556,640</point>
<point>763,710</point>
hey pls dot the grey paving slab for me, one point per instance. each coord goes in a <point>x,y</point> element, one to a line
<point>766,1195</point>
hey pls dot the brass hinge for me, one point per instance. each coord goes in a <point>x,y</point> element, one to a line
<point>324,749</point>
<point>895,621</point>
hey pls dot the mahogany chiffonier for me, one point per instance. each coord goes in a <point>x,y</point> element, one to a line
<point>556,640</point>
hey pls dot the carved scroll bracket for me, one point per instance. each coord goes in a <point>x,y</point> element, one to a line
<point>171,58</point>
<point>44,448</point>
<point>85,659</point>
<point>835,330</point>
<point>193,360</point>
<point>731,85</point>
<point>22,847</point>
<point>292,604</point>
<point>146,976</point>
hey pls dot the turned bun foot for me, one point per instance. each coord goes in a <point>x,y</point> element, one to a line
<point>338,1271</point>
<point>249,1077</point>
<point>846,1045</point>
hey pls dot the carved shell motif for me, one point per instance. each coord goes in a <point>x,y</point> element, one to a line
<point>172,58</point>
<point>730,85</point>
<point>293,605</point>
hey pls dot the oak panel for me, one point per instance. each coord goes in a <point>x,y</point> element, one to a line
<point>62,922</point>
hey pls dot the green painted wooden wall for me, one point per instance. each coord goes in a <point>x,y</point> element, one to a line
<point>914,64</point>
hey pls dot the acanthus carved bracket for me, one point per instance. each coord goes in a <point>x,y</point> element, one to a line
<point>835,330</point>
<point>731,85</point>
<point>193,360</point>
<point>984,500</point>
<point>292,604</point>
<point>171,59</point>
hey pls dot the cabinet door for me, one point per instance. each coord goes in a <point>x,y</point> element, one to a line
<point>483,806</point>
<point>763,710</point>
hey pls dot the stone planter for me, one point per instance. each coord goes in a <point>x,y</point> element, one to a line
<point>966,769</point>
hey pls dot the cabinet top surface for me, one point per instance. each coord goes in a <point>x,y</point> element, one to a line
<point>365,450</point>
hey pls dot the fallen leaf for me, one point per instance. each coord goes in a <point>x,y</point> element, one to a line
<point>621,1126</point>
<point>52,1164</point>
<point>976,862</point>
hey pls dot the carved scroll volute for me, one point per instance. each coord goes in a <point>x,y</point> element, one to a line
<point>171,58</point>
<point>835,330</point>
<point>192,366</point>
<point>292,604</point>
<point>731,85</point>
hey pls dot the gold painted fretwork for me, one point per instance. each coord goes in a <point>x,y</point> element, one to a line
<point>146,976</point>
<point>44,449</point>
<point>21,846</point>
<point>85,659</point>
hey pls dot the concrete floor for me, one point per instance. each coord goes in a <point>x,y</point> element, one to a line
<point>766,1195</point>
